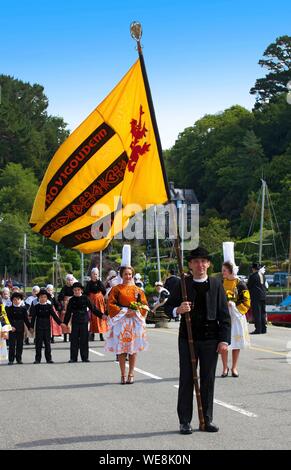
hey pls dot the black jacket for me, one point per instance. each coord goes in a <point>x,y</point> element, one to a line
<point>17,317</point>
<point>40,315</point>
<point>66,291</point>
<point>171,283</point>
<point>78,309</point>
<point>216,306</point>
<point>257,287</point>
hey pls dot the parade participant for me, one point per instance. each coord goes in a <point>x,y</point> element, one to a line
<point>127,307</point>
<point>138,281</point>
<point>17,316</point>
<point>95,290</point>
<point>40,317</point>
<point>238,298</point>
<point>257,288</point>
<point>64,296</point>
<point>211,327</point>
<point>112,280</point>
<point>6,297</point>
<point>56,329</point>
<point>32,299</point>
<point>5,328</point>
<point>163,295</point>
<point>77,310</point>
<point>172,281</point>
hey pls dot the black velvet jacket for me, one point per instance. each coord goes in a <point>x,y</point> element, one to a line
<point>77,309</point>
<point>40,314</point>
<point>17,317</point>
<point>216,306</point>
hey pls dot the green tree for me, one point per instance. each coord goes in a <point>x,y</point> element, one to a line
<point>214,234</point>
<point>18,188</point>
<point>277,60</point>
<point>28,135</point>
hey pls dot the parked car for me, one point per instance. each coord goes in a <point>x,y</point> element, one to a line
<point>280,279</point>
<point>14,284</point>
<point>270,279</point>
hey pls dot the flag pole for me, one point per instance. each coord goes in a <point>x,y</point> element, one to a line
<point>136,33</point>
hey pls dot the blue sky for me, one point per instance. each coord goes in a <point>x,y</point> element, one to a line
<point>201,57</point>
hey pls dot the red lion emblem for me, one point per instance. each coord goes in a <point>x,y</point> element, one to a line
<point>138,132</point>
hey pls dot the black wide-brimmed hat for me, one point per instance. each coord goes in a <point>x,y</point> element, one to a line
<point>77,284</point>
<point>199,252</point>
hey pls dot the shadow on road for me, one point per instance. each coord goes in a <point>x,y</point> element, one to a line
<point>91,385</point>
<point>82,439</point>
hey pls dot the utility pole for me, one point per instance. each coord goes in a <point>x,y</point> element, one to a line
<point>24,263</point>
<point>100,264</point>
<point>82,269</point>
<point>157,244</point>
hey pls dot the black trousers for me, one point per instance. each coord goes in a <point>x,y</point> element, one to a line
<point>43,336</point>
<point>207,356</point>
<point>15,343</point>
<point>79,340</point>
<point>259,315</point>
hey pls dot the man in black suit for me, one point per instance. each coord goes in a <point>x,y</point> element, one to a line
<point>211,330</point>
<point>257,289</point>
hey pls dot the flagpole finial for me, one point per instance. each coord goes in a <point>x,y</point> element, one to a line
<point>136,33</point>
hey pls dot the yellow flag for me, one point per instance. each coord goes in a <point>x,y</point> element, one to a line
<point>110,161</point>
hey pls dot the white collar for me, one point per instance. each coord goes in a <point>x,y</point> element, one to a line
<point>204,279</point>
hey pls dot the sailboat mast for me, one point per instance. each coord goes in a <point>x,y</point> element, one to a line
<point>262,220</point>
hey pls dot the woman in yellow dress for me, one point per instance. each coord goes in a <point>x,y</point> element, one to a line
<point>5,327</point>
<point>238,303</point>
<point>127,308</point>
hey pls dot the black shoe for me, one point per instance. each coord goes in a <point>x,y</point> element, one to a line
<point>92,337</point>
<point>19,362</point>
<point>10,364</point>
<point>101,337</point>
<point>185,428</point>
<point>52,340</point>
<point>50,362</point>
<point>255,333</point>
<point>26,341</point>
<point>71,360</point>
<point>233,374</point>
<point>86,360</point>
<point>225,374</point>
<point>36,362</point>
<point>211,427</point>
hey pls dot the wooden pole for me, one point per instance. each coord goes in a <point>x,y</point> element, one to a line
<point>136,34</point>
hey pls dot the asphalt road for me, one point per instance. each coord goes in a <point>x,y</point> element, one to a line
<point>83,406</point>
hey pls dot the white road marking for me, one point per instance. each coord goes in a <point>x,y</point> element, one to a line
<point>218,402</point>
<point>231,407</point>
<point>96,352</point>
<point>236,408</point>
<point>148,374</point>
